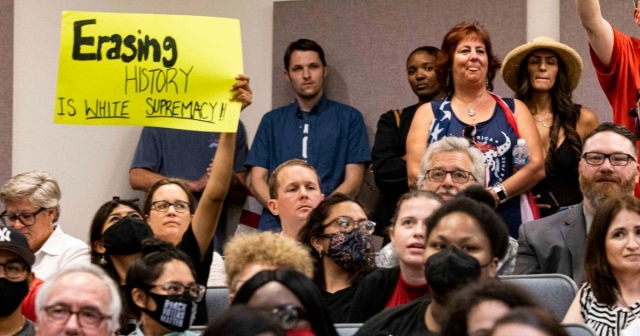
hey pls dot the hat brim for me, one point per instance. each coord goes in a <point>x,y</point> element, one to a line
<point>513,61</point>
<point>23,252</point>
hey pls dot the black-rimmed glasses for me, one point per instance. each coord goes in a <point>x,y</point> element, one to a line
<point>347,224</point>
<point>26,219</point>
<point>288,316</point>
<point>15,270</point>
<point>458,176</point>
<point>163,206</point>
<point>88,317</point>
<point>616,159</point>
<point>175,290</point>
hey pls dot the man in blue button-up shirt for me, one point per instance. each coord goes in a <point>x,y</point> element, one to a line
<point>330,136</point>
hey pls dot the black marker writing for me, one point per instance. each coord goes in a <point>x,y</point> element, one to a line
<point>140,50</point>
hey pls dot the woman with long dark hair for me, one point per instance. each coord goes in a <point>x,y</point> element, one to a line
<point>610,299</point>
<point>543,73</point>
<point>338,234</point>
<point>116,234</point>
<point>162,291</point>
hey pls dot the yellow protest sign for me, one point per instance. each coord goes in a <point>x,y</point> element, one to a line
<point>168,71</point>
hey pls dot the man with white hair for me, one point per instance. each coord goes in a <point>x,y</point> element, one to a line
<point>449,166</point>
<point>80,299</point>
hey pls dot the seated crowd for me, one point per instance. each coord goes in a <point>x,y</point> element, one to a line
<point>458,211</point>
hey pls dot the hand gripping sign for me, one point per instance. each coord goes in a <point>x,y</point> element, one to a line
<point>169,71</point>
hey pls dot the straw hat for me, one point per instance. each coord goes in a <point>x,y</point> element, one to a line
<point>513,60</point>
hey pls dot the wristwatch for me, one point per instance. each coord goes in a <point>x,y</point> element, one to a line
<point>500,191</point>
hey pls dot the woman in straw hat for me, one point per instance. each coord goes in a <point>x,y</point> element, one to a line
<point>466,68</point>
<point>543,73</point>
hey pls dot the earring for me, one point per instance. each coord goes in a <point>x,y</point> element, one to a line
<point>488,85</point>
<point>102,261</point>
<point>448,80</point>
<point>319,253</point>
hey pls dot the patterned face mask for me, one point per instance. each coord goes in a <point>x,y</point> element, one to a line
<point>350,250</point>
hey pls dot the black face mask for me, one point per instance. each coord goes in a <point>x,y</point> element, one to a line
<point>448,269</point>
<point>11,295</point>
<point>125,237</point>
<point>175,315</point>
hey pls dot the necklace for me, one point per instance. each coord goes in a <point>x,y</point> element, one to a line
<point>543,119</point>
<point>471,111</point>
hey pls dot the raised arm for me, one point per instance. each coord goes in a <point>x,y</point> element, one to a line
<point>205,220</point>
<point>599,31</point>
<point>529,175</point>
<point>417,142</point>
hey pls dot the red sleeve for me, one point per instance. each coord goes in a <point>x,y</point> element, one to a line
<point>29,302</point>
<point>621,78</point>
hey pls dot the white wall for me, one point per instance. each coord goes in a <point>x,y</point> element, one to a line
<point>91,163</point>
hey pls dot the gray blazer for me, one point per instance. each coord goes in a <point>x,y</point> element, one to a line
<point>553,244</point>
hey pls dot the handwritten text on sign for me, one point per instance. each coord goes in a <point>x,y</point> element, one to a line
<point>148,70</point>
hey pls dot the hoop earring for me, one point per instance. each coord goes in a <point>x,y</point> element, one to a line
<point>102,261</point>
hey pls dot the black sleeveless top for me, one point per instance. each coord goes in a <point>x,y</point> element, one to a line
<point>562,182</point>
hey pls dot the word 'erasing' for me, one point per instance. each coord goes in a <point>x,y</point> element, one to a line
<point>138,48</point>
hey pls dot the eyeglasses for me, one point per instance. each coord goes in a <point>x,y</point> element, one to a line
<point>88,317</point>
<point>288,316</point>
<point>175,290</point>
<point>26,219</point>
<point>163,206</point>
<point>347,224</point>
<point>458,176</point>
<point>15,270</point>
<point>616,159</point>
<point>469,133</point>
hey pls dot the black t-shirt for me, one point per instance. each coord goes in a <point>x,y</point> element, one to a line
<point>189,245</point>
<point>339,303</point>
<point>404,320</point>
<point>373,293</point>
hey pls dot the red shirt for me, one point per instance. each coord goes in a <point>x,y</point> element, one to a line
<point>406,292</point>
<point>621,79</point>
<point>29,301</point>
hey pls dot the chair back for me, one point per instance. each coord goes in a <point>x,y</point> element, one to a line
<point>575,329</point>
<point>553,291</point>
<point>217,300</point>
<point>347,329</point>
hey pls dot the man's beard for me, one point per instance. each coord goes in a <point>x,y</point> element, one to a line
<point>598,193</point>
